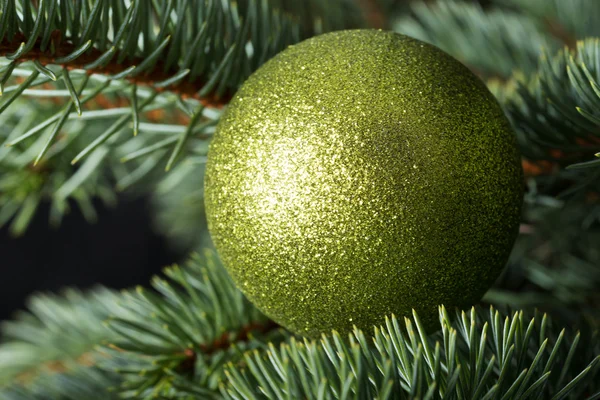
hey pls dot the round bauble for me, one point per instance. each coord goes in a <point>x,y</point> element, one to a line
<point>359,174</point>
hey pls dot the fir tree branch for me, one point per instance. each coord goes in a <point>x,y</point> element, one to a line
<point>554,265</point>
<point>243,334</point>
<point>476,355</point>
<point>568,21</point>
<point>186,53</point>
<point>53,178</point>
<point>199,322</point>
<point>554,111</point>
<point>76,383</point>
<point>479,355</point>
<point>490,41</point>
<point>178,208</point>
<point>55,331</point>
<point>159,74</point>
<point>559,32</point>
<point>181,338</point>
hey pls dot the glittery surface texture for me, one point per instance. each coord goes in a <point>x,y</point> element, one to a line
<point>359,174</point>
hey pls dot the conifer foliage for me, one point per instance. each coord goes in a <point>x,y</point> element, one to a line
<point>102,96</point>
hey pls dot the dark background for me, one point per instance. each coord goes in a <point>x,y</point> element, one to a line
<point>119,251</point>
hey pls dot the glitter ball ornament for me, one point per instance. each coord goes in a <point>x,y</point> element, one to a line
<point>359,174</point>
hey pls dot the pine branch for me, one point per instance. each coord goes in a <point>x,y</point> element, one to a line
<point>117,40</point>
<point>178,207</point>
<point>478,356</point>
<point>23,185</point>
<point>490,41</point>
<point>225,341</point>
<point>78,383</point>
<point>202,339</point>
<point>56,331</point>
<point>88,60</point>
<point>179,340</point>
<point>568,21</point>
<point>554,112</point>
<point>554,265</point>
<point>185,48</point>
<point>183,336</point>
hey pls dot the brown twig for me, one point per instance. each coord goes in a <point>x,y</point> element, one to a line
<point>159,115</point>
<point>561,33</point>
<point>56,367</point>
<point>225,341</point>
<point>538,168</point>
<point>373,14</point>
<point>184,88</point>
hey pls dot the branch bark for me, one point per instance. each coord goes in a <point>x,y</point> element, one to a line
<point>373,14</point>
<point>225,341</point>
<point>184,88</point>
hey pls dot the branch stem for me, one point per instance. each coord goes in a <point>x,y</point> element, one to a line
<point>157,74</point>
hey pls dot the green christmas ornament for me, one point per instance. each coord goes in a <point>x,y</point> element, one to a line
<point>359,174</point>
